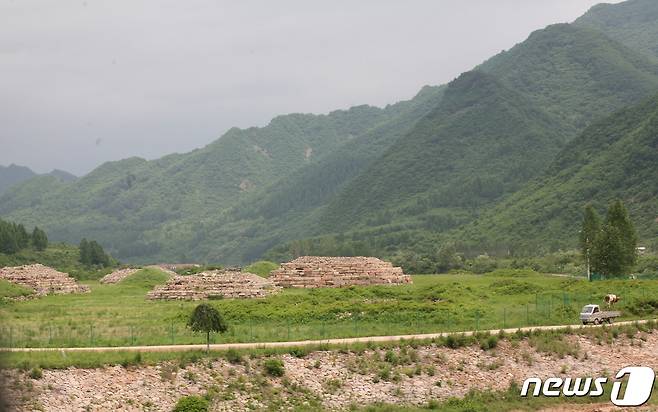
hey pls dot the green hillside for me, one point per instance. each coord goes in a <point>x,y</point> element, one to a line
<point>632,23</point>
<point>478,144</point>
<point>142,209</point>
<point>12,175</point>
<point>481,141</point>
<point>289,207</point>
<point>614,158</point>
<point>364,180</point>
<point>485,141</point>
<point>576,74</point>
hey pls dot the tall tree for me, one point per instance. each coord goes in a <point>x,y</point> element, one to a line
<point>614,250</point>
<point>618,217</point>
<point>39,239</point>
<point>8,240</point>
<point>85,252</point>
<point>206,318</point>
<point>608,252</point>
<point>22,237</point>
<point>590,230</point>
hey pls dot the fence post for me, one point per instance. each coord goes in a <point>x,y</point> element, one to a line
<point>91,334</point>
<point>11,337</point>
<point>527,314</point>
<point>172,332</point>
<point>288,325</point>
<point>132,335</point>
<point>251,330</point>
<point>536,301</point>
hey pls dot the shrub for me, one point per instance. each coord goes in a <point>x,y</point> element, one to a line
<point>391,357</point>
<point>489,343</point>
<point>191,404</point>
<point>36,373</point>
<point>233,356</point>
<point>274,367</point>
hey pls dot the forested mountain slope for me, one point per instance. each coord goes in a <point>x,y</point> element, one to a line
<point>632,23</point>
<point>486,141</point>
<point>386,179</point>
<point>12,175</point>
<point>616,158</point>
<point>289,208</point>
<point>152,209</point>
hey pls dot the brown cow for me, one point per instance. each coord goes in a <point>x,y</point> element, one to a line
<point>611,299</point>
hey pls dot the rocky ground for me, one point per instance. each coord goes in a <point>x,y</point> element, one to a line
<point>334,379</point>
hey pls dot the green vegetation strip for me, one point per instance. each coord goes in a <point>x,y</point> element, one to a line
<point>120,315</point>
<point>544,340</point>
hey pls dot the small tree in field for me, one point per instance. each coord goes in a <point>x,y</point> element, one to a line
<point>206,318</point>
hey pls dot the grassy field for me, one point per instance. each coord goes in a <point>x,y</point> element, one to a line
<point>118,315</point>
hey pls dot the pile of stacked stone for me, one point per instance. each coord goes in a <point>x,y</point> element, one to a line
<point>214,284</point>
<point>42,279</point>
<point>321,272</point>
<point>118,275</point>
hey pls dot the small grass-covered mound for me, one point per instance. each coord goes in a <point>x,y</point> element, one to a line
<point>12,290</point>
<point>145,279</point>
<point>261,268</point>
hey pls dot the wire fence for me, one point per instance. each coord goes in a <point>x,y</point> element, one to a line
<point>547,308</point>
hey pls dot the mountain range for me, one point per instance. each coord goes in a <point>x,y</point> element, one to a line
<point>13,175</point>
<point>502,158</point>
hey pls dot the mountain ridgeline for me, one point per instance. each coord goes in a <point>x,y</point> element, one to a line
<point>502,158</point>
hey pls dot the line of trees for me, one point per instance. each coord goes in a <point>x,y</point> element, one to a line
<point>14,238</point>
<point>609,247</point>
<point>92,254</point>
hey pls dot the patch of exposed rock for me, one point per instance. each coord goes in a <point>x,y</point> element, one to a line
<point>336,379</point>
<point>322,271</point>
<point>42,279</point>
<point>214,284</point>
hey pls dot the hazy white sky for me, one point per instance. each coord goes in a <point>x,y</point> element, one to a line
<point>83,82</point>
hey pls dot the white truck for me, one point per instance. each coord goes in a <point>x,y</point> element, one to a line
<point>594,314</point>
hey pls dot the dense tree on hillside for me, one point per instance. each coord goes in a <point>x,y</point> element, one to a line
<point>614,249</point>
<point>588,234</point>
<point>39,239</point>
<point>92,254</point>
<point>8,238</point>
<point>14,238</point>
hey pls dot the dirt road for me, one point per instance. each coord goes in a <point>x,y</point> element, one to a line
<point>335,342</point>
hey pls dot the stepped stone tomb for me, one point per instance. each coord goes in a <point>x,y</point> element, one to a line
<point>321,272</point>
<point>214,284</point>
<point>42,279</point>
<point>118,275</point>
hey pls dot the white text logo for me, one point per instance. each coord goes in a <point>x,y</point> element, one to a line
<point>637,393</point>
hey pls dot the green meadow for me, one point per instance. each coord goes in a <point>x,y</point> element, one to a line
<point>120,315</point>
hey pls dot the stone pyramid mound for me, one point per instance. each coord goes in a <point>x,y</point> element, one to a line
<point>319,272</point>
<point>118,275</point>
<point>42,279</point>
<point>214,284</point>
